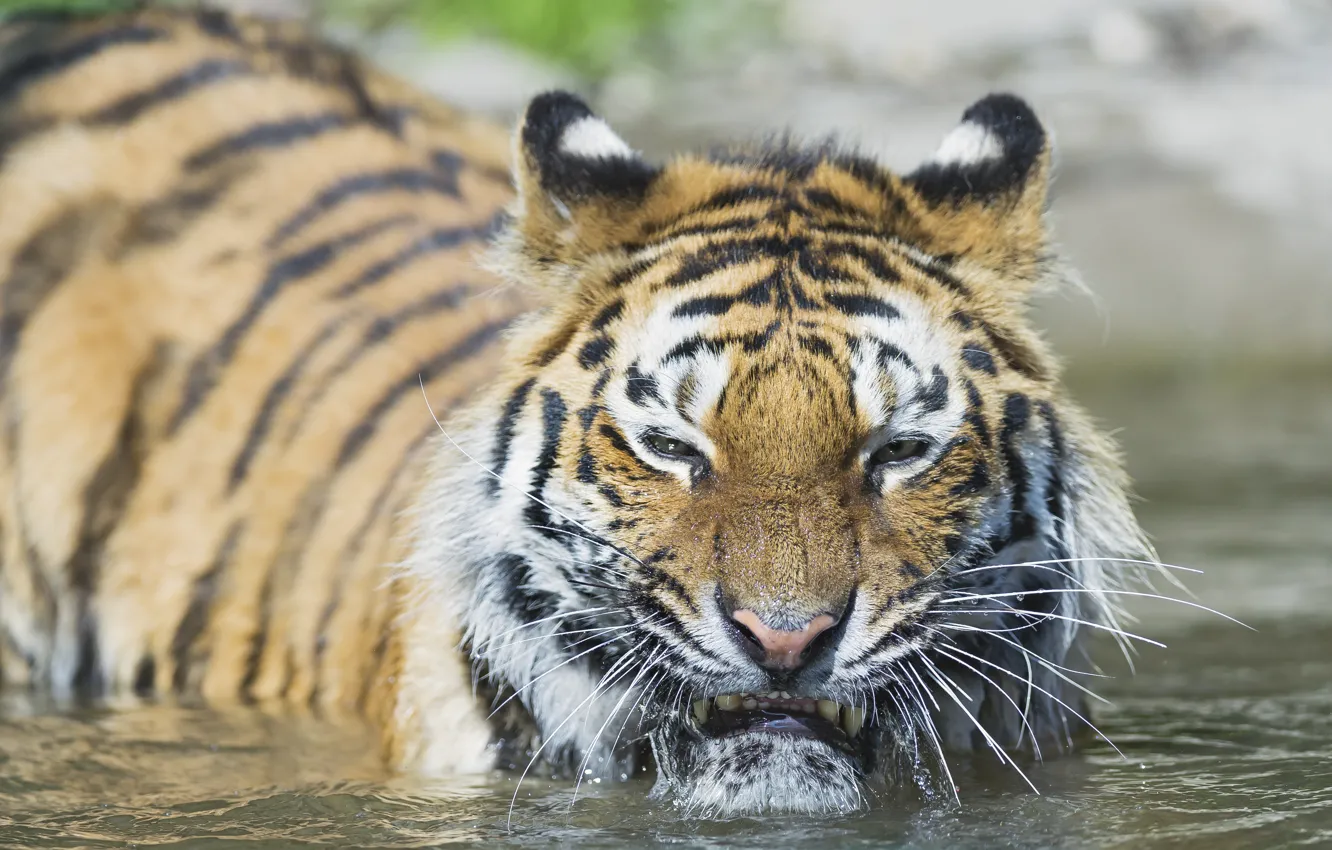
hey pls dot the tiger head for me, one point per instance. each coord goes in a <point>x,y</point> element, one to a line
<point>778,491</point>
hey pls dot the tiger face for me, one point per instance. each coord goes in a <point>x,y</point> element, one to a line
<point>779,492</point>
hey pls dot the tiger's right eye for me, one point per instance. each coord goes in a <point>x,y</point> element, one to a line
<point>671,447</point>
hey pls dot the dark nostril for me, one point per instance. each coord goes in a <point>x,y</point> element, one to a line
<point>821,641</point>
<point>748,640</point>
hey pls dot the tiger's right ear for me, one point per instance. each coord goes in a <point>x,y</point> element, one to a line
<point>577,180</point>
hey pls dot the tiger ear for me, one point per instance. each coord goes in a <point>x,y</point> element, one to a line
<point>985,188</point>
<point>577,180</point>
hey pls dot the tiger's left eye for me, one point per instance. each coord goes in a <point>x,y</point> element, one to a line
<point>898,451</point>
<point>671,447</point>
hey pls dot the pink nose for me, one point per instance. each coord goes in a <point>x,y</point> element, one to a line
<point>783,650</point>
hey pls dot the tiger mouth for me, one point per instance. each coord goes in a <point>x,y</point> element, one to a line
<point>778,713</point>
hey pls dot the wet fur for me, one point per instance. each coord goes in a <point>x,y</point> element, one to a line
<point>231,251</point>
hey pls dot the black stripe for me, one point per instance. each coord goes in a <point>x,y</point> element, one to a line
<point>526,602</point>
<point>356,541</point>
<point>889,352</point>
<point>130,107</point>
<point>1014,354</point>
<point>553,414</point>
<point>976,414</point>
<point>377,332</point>
<point>1054,493</point>
<point>40,264</point>
<point>979,359</point>
<point>475,342</point>
<point>608,314</point>
<point>826,201</point>
<point>1017,412</point>
<point>195,618</point>
<point>705,305</point>
<point>595,351</point>
<point>442,239</point>
<point>935,396</point>
<point>35,65</point>
<point>277,578</point>
<point>273,398</point>
<point>504,432</point>
<point>718,257</point>
<point>862,305</point>
<point>640,387</point>
<point>752,343</point>
<point>977,481</point>
<point>218,24</point>
<point>109,488</point>
<point>207,369</point>
<point>416,180</point>
<point>876,261</point>
<point>818,346</point>
<point>270,134</point>
<point>734,226</point>
<point>165,219</point>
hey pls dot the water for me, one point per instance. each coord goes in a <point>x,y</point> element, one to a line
<point>1226,735</point>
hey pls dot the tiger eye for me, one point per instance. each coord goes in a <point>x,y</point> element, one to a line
<point>670,447</point>
<point>898,451</point>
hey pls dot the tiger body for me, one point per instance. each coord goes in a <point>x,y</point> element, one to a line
<point>241,274</point>
<point>230,255</point>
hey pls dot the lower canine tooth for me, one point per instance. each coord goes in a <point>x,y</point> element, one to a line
<point>852,720</point>
<point>701,710</point>
<point>729,702</point>
<point>829,710</point>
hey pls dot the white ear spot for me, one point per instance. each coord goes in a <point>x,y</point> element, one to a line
<point>592,138</point>
<point>967,144</point>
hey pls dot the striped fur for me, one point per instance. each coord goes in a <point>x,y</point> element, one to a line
<point>234,256</point>
<point>229,255</point>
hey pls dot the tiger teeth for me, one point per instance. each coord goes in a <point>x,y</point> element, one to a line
<point>701,708</point>
<point>851,720</point>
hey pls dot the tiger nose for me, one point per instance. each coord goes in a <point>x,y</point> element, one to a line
<point>778,649</point>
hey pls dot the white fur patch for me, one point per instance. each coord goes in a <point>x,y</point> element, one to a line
<point>967,144</point>
<point>592,138</point>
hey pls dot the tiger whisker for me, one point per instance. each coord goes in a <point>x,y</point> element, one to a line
<point>1043,615</point>
<point>949,650</point>
<point>609,717</point>
<point>583,612</point>
<point>927,722</point>
<point>1050,666</point>
<point>999,752</point>
<point>1047,663</point>
<point>604,683</point>
<point>571,632</point>
<point>546,673</point>
<point>1048,590</point>
<point>1046,561</point>
<point>1022,711</point>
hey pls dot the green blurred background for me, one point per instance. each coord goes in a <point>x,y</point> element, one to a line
<point>1194,183</point>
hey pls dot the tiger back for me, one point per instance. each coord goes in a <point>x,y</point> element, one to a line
<point>233,256</point>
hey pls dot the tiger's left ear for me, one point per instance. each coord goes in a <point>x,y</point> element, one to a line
<point>984,190</point>
<point>578,182</point>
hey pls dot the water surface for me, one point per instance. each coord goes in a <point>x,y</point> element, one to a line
<point>1226,735</point>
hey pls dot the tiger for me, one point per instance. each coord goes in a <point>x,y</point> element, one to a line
<point>746,469</point>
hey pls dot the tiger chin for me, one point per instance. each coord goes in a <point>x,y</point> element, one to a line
<point>746,468</point>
